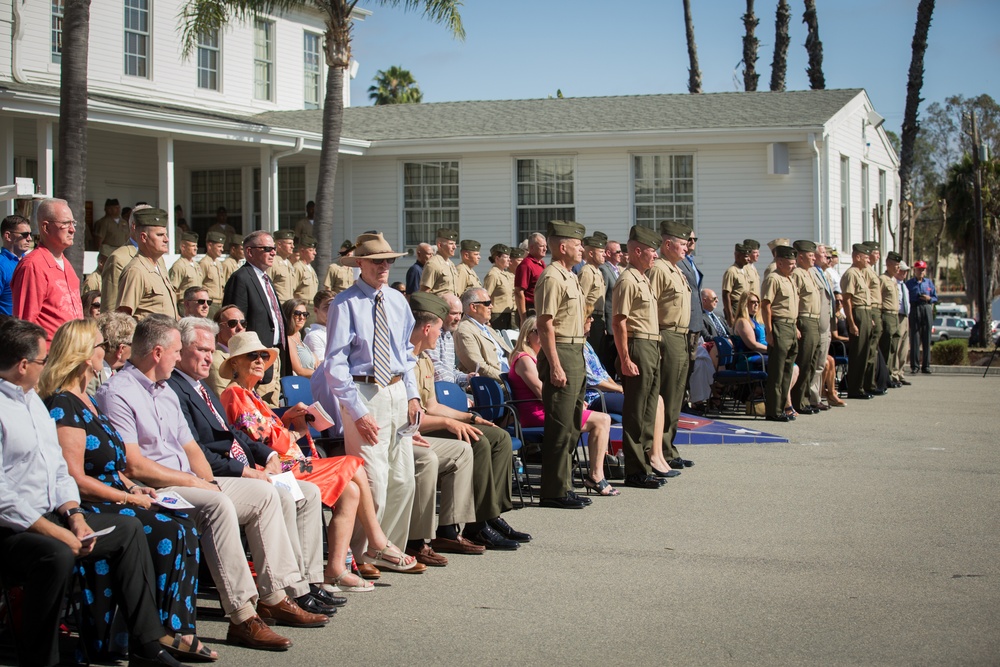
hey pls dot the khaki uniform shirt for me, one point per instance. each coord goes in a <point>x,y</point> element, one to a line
<point>781,293</point>
<point>465,278</point>
<point>424,371</point>
<point>557,293</point>
<point>146,289</point>
<point>854,284</point>
<point>594,290</point>
<point>439,276</point>
<point>338,278</point>
<point>304,227</point>
<point>768,270</point>
<point>90,283</point>
<point>212,281</point>
<point>183,274</point>
<point>113,268</point>
<point>115,234</point>
<point>633,297</point>
<point>215,381</point>
<point>282,276</point>
<point>736,281</point>
<point>890,295</point>
<point>226,269</point>
<point>224,229</point>
<point>753,279</point>
<point>672,293</point>
<point>500,286</point>
<point>306,281</point>
<point>809,296</point>
<point>874,288</point>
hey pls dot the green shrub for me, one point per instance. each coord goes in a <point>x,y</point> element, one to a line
<point>950,353</point>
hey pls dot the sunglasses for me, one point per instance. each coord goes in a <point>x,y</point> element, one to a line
<point>233,323</point>
<point>201,302</point>
<point>488,302</point>
<point>95,305</point>
<point>254,356</point>
<point>22,235</point>
<point>389,260</point>
<point>266,248</point>
<point>300,313</point>
<point>693,239</point>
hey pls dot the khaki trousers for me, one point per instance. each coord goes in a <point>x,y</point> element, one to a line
<point>491,472</point>
<point>889,340</point>
<point>901,353</point>
<point>446,464</point>
<point>304,523</point>
<point>255,505</point>
<point>816,386</point>
<point>388,464</point>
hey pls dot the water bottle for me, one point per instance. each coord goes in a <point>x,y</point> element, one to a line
<point>519,470</point>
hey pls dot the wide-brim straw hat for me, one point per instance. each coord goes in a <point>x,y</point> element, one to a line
<point>241,344</point>
<point>370,246</point>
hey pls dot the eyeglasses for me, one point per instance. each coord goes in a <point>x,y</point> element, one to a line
<point>232,324</point>
<point>22,235</point>
<point>266,248</point>
<point>40,362</point>
<point>614,252</point>
<point>693,239</point>
<point>300,313</point>
<point>486,303</point>
<point>385,260</point>
<point>201,302</point>
<point>63,224</point>
<point>254,356</point>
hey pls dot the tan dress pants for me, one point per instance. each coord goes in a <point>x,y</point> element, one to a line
<point>447,464</point>
<point>304,522</point>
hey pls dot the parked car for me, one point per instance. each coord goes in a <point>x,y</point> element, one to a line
<point>950,327</point>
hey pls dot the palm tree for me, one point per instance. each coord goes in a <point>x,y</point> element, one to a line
<point>394,86</point>
<point>694,73</point>
<point>200,16</point>
<point>71,181</point>
<point>814,47</point>
<point>911,126</point>
<point>779,65</point>
<point>750,43</point>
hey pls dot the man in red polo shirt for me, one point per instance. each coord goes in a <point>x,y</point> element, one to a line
<point>527,274</point>
<point>45,287</point>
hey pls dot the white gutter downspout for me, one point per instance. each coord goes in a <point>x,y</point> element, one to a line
<point>818,189</point>
<point>273,179</point>
<point>17,31</point>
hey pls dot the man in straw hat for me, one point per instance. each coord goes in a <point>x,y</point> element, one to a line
<point>369,370</point>
<point>901,353</point>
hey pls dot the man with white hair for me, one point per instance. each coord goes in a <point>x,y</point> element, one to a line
<point>443,354</point>
<point>480,349</point>
<point>527,274</point>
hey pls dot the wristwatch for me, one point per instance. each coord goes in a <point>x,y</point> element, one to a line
<point>73,510</point>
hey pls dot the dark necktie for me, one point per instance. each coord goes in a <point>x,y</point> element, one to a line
<point>380,358</point>
<point>234,449</point>
<point>276,312</point>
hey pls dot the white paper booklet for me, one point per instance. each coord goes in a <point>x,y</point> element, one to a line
<point>287,481</point>
<point>171,501</point>
<point>321,419</point>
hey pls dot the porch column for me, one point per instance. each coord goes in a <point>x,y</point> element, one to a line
<point>7,160</point>
<point>165,196</point>
<point>45,156</point>
<point>268,191</point>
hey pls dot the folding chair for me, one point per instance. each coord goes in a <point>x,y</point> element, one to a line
<point>735,382</point>
<point>491,403</point>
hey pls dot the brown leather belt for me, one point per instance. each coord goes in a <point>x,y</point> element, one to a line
<point>644,336</point>
<point>370,379</point>
<point>570,340</point>
<point>676,328</point>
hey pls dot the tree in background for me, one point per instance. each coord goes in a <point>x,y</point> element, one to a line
<point>394,86</point>
<point>694,72</point>
<point>71,178</point>
<point>199,16</point>
<point>814,47</point>
<point>779,64</point>
<point>750,43</point>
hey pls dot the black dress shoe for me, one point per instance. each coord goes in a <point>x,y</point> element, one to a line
<point>640,481</point>
<point>864,397</point>
<point>505,529</point>
<point>314,605</point>
<point>777,418</point>
<point>326,597</point>
<point>808,410</point>
<point>564,503</point>
<point>905,383</point>
<point>666,475</point>
<point>491,539</point>
<point>877,392</point>
<point>925,371</point>
<point>583,499</point>
<point>679,463</point>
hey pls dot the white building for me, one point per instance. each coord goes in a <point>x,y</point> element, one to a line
<point>244,111</point>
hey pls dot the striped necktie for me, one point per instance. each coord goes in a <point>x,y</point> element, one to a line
<point>380,358</point>
<point>235,450</point>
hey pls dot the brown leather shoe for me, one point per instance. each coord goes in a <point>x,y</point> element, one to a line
<point>254,633</point>
<point>369,571</point>
<point>459,546</point>
<point>428,557</point>
<point>288,613</point>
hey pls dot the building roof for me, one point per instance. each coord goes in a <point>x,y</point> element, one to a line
<point>583,115</point>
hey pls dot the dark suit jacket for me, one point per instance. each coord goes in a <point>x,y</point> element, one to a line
<point>694,277</point>
<point>243,290</point>
<point>609,282</point>
<point>215,441</point>
<point>709,330</point>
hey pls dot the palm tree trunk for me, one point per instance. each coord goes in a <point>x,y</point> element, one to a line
<point>814,47</point>
<point>750,43</point>
<point>779,65</point>
<point>694,73</point>
<point>943,204</point>
<point>329,159</point>
<point>910,124</point>
<point>71,183</point>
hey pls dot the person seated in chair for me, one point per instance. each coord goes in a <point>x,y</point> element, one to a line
<point>478,347</point>
<point>750,341</point>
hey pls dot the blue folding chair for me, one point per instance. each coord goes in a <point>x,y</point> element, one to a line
<point>297,389</point>
<point>491,404</point>
<point>733,379</point>
<point>838,350</point>
<point>451,395</point>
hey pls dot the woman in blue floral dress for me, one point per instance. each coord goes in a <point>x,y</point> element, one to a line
<point>95,455</point>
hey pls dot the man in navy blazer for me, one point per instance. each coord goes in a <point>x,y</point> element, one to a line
<point>694,277</point>
<point>208,424</point>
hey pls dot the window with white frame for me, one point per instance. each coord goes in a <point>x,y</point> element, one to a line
<point>209,59</point>
<point>291,196</point>
<point>313,69</point>
<point>137,38</point>
<point>845,203</point>
<point>263,59</point>
<point>663,189</point>
<point>866,215</point>
<point>212,188</point>
<point>57,28</point>
<point>546,190</point>
<point>430,199</point>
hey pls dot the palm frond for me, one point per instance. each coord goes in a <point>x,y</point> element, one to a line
<point>201,16</point>
<point>439,11</point>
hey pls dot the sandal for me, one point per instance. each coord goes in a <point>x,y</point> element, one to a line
<point>189,654</point>
<point>602,487</point>
<point>343,586</point>
<point>399,562</point>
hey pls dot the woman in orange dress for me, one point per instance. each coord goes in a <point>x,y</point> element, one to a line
<point>341,480</point>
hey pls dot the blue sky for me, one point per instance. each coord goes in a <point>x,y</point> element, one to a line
<point>521,49</point>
